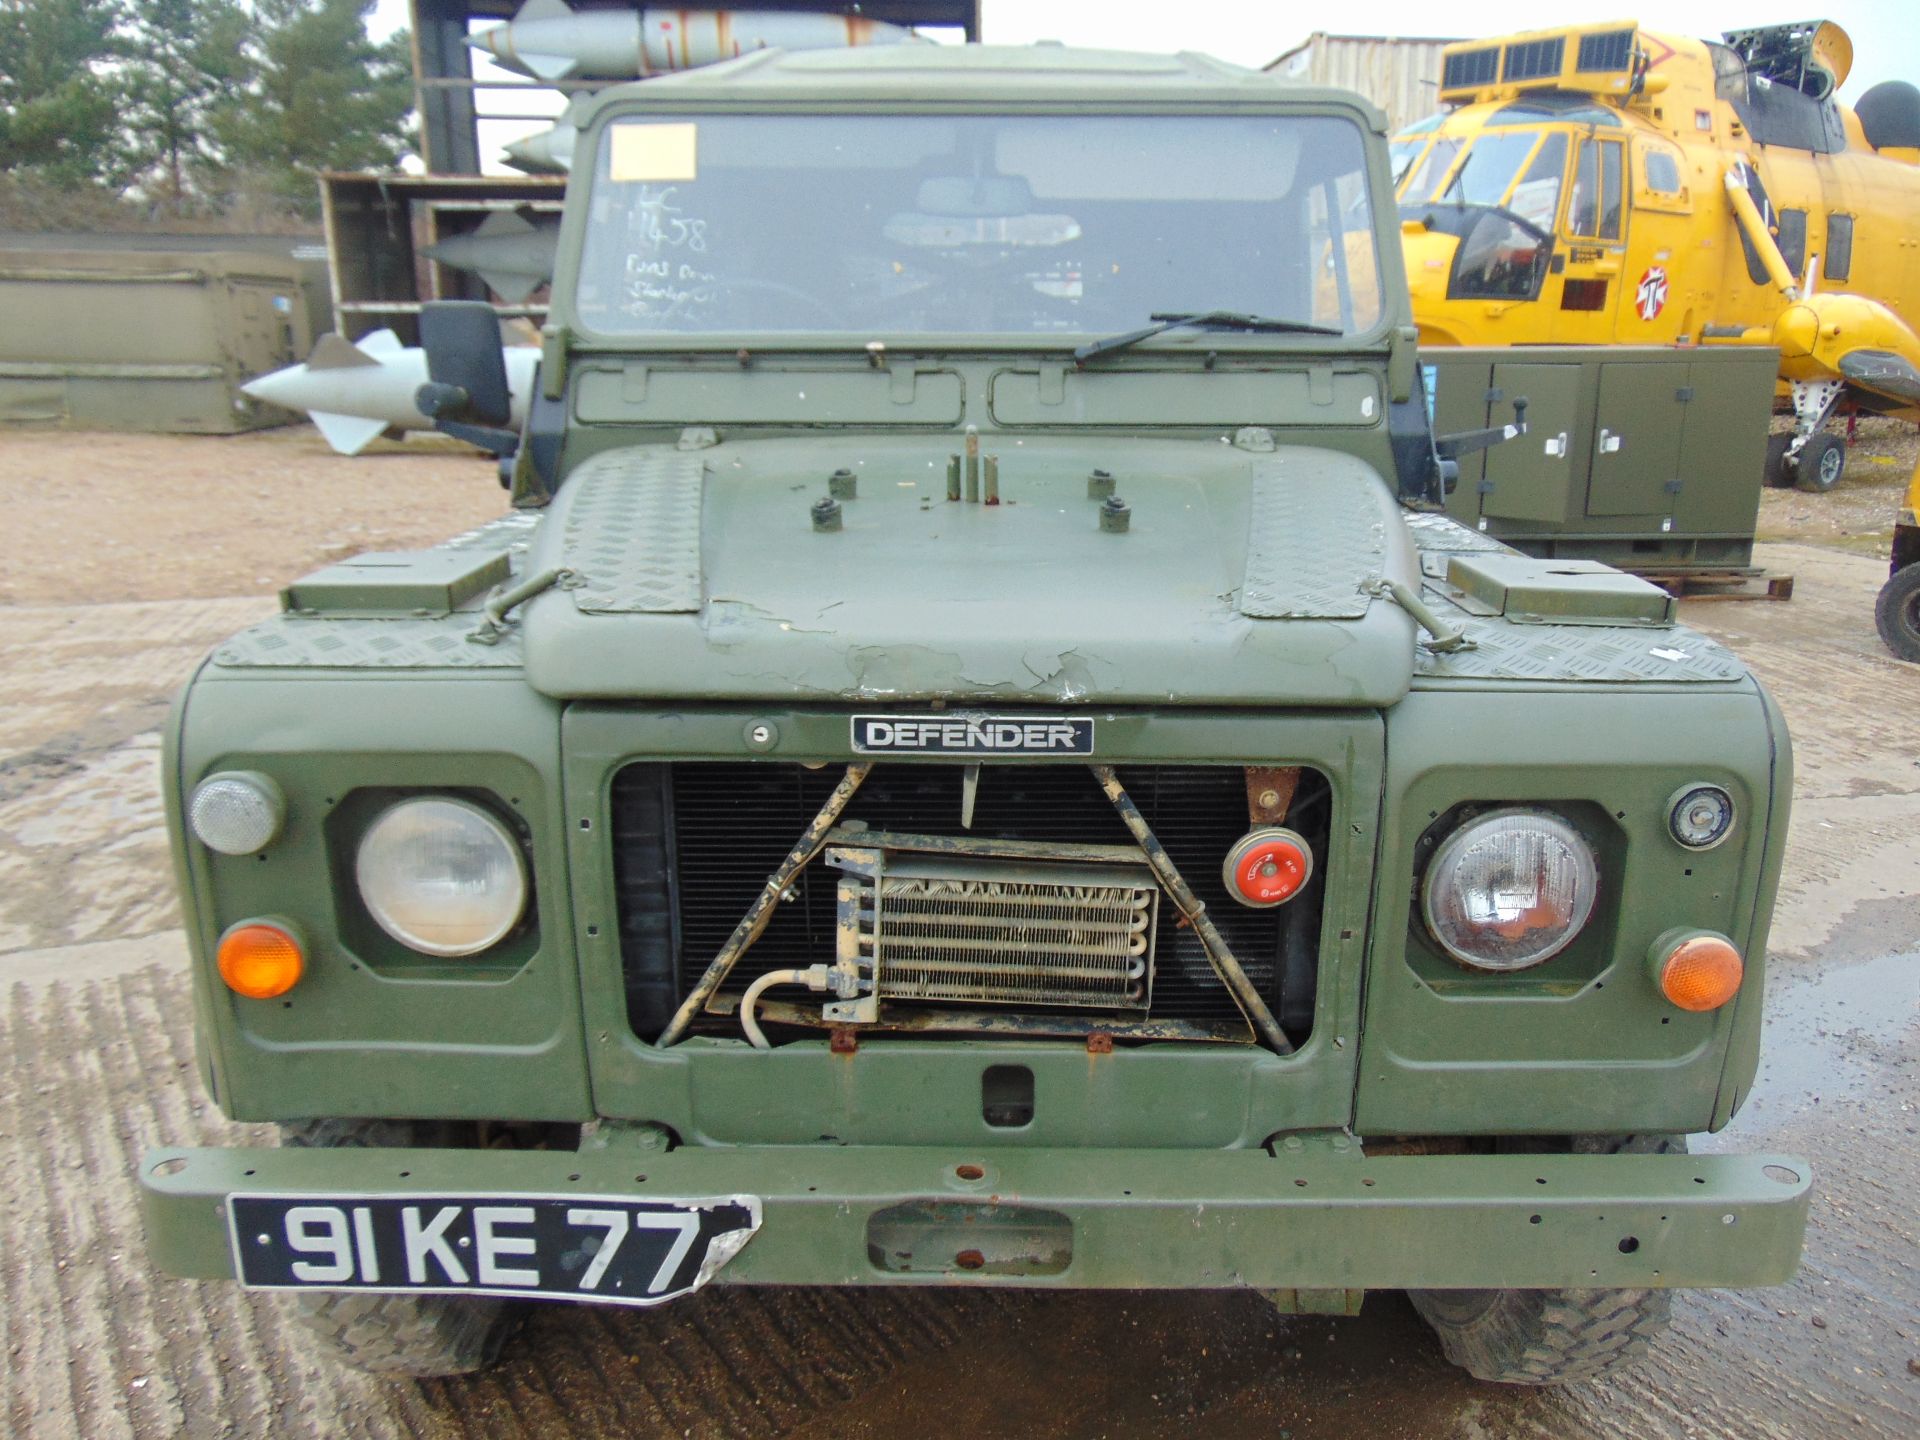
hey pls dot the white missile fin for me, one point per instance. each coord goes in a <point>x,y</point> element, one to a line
<point>509,286</point>
<point>333,351</point>
<point>380,342</point>
<point>545,10</point>
<point>547,67</point>
<point>347,434</point>
<point>505,222</point>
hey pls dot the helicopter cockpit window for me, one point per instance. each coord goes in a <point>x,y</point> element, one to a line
<point>1536,199</point>
<point>1500,258</point>
<point>1431,172</point>
<point>1401,155</point>
<point>1593,207</point>
<point>1489,169</point>
<point>967,225</point>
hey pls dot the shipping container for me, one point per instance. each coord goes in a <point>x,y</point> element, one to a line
<point>1399,74</point>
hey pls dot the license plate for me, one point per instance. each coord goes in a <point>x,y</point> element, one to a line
<point>605,1250</point>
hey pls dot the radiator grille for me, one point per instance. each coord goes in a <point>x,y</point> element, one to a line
<point>694,841</point>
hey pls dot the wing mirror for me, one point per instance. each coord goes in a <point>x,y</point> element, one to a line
<point>466,394</point>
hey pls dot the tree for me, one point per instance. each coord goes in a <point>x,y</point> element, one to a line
<point>185,58</point>
<point>320,95</point>
<point>59,99</point>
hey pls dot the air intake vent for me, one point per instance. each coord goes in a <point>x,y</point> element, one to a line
<point>1468,68</point>
<point>1612,50</point>
<point>1536,60</point>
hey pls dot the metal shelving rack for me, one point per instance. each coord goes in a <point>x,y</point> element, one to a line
<point>376,224</point>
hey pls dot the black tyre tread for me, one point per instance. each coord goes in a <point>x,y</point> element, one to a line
<point>1774,476</point>
<point>418,1335</point>
<point>1551,1337</point>
<point>1895,612</point>
<point>1807,464</point>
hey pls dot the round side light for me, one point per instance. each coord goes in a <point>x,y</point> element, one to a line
<point>1696,969</point>
<point>236,812</point>
<point>260,960</point>
<point>1267,867</point>
<point>1700,816</point>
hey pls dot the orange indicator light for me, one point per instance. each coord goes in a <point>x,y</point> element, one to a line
<point>1701,972</point>
<point>260,961</point>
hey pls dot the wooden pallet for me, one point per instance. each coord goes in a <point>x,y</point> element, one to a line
<point>1721,584</point>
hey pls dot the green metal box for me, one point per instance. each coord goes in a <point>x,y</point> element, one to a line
<point>1646,457</point>
<point>149,340</point>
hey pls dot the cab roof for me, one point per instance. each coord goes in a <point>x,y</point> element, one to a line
<point>944,74</point>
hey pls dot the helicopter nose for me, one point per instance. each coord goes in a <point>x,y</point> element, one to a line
<point>1795,331</point>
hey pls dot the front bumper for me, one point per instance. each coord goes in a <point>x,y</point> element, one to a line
<point>1319,1218</point>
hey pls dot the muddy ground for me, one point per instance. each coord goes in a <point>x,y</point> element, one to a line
<point>130,556</point>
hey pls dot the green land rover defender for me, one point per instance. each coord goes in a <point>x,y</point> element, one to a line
<point>975,759</point>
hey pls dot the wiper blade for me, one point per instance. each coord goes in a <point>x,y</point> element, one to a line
<point>1217,319</point>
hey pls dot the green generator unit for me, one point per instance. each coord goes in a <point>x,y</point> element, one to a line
<point>1648,458</point>
<point>150,339</point>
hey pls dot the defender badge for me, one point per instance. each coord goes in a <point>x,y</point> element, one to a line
<point>956,734</point>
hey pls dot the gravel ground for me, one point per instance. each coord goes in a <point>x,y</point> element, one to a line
<point>184,544</point>
<point>172,517</point>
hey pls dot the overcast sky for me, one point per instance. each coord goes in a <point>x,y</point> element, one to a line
<point>1886,37</point>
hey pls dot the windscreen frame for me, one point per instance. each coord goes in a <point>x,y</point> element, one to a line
<point>1393,311</point>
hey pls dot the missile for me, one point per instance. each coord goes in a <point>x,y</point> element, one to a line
<point>545,152</point>
<point>550,42</point>
<point>512,251</point>
<point>356,393</point>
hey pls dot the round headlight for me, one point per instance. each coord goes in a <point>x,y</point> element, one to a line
<point>236,812</point>
<point>441,876</point>
<point>1701,816</point>
<point>1510,889</point>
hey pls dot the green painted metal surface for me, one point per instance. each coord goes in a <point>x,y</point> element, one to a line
<point>422,583</point>
<point>698,614</point>
<point>1642,457</point>
<point>1137,1219</point>
<point>151,339</point>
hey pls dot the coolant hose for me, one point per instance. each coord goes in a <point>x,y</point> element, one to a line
<point>755,1036</point>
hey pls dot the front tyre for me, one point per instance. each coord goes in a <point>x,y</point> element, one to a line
<point>400,1334</point>
<point>1552,1337</point>
<point>1897,612</point>
<point>1774,476</point>
<point>1820,463</point>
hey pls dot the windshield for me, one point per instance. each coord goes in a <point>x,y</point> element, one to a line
<point>1502,168</point>
<point>1483,177</point>
<point>1401,155</point>
<point>891,224</point>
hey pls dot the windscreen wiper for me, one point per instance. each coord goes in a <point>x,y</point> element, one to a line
<point>1218,319</point>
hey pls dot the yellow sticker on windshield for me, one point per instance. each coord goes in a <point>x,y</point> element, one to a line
<point>653,152</point>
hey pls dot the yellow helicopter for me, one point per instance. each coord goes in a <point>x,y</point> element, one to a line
<point>1600,184</point>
